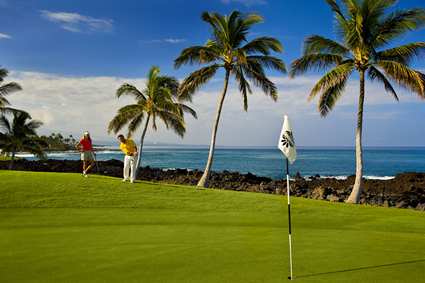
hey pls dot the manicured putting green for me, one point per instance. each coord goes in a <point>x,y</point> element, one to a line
<point>66,228</point>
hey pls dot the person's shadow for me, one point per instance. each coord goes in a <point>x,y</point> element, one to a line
<point>360,268</point>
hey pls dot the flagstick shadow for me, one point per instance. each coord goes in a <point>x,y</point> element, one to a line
<point>361,268</point>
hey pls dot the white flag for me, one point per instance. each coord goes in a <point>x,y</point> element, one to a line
<point>286,141</point>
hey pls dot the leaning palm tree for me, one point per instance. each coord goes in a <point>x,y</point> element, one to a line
<point>6,89</point>
<point>157,100</point>
<point>229,49</point>
<point>366,29</point>
<point>20,134</point>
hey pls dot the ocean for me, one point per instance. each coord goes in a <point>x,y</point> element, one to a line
<point>379,163</point>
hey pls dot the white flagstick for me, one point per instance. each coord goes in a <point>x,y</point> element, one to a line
<point>289,219</point>
<point>287,146</point>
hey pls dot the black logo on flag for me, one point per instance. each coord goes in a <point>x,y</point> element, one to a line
<point>287,139</point>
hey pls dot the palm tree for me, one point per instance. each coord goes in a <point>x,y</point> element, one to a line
<point>6,89</point>
<point>229,49</point>
<point>20,135</point>
<point>157,100</point>
<point>365,29</point>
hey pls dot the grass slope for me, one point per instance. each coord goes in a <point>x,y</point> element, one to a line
<point>62,227</point>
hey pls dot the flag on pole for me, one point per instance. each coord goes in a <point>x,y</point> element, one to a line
<point>286,141</point>
<point>287,145</point>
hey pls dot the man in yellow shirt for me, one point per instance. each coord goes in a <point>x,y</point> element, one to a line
<point>129,148</point>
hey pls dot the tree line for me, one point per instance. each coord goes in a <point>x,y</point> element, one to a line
<point>364,31</point>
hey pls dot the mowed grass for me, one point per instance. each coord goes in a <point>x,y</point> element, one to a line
<point>65,228</point>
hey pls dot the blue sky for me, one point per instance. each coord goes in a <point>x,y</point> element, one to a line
<point>72,51</point>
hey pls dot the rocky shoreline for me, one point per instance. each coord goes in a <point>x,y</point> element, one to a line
<point>406,190</point>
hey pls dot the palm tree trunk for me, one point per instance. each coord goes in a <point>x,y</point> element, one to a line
<point>139,156</point>
<point>12,161</point>
<point>357,188</point>
<point>203,182</point>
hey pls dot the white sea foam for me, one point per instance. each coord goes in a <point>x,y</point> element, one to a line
<point>62,154</point>
<point>379,177</point>
<point>366,177</point>
<point>109,152</point>
<point>335,177</point>
<point>24,155</point>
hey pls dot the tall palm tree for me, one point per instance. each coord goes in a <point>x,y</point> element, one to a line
<point>157,100</point>
<point>229,49</point>
<point>20,134</point>
<point>6,89</point>
<point>365,28</point>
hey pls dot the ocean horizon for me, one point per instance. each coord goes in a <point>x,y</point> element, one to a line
<point>379,162</point>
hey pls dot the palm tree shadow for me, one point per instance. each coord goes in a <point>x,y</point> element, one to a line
<point>361,268</point>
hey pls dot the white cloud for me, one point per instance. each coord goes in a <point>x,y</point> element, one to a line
<point>75,22</point>
<point>174,40</point>
<point>4,36</point>
<point>169,40</point>
<point>73,104</point>
<point>246,2</point>
<point>70,104</point>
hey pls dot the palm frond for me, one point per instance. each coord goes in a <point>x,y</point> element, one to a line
<point>117,123</point>
<point>252,19</point>
<point>4,124</point>
<point>354,27</point>
<point>269,62</point>
<point>405,76</point>
<point>171,83</point>
<point>333,79</point>
<point>133,109</point>
<point>128,89</point>
<point>239,25</point>
<point>152,83</point>
<point>263,45</point>
<point>375,74</point>
<point>398,23</point>
<point>183,108</point>
<point>319,44</point>
<point>34,124</point>
<point>314,62</point>
<point>335,7</point>
<point>135,123</point>
<point>3,102</point>
<point>3,74</point>
<point>9,88</point>
<point>124,116</point>
<point>330,96</point>
<point>197,55</point>
<point>216,21</point>
<point>255,72</point>
<point>173,121</point>
<point>352,7</point>
<point>154,115</point>
<point>219,26</point>
<point>11,111</point>
<point>372,12</point>
<point>244,86</point>
<point>166,104</point>
<point>153,73</point>
<point>404,53</point>
<point>21,116</point>
<point>195,80</point>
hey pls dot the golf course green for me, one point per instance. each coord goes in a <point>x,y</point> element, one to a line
<point>65,228</point>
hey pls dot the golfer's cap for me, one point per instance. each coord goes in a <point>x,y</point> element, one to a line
<point>86,133</point>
